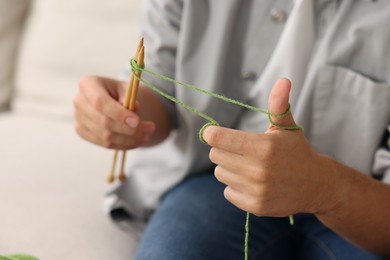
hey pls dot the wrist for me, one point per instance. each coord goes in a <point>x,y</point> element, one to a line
<point>333,189</point>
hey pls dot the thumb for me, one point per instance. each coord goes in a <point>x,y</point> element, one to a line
<point>278,106</point>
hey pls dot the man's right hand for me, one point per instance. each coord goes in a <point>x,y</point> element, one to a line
<point>101,119</point>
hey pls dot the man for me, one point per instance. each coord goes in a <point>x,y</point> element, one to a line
<point>336,55</point>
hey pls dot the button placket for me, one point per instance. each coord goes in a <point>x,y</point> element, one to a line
<point>278,15</point>
<point>248,75</point>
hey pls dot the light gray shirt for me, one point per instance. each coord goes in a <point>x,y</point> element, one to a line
<point>224,46</point>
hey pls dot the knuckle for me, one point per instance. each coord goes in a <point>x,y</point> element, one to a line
<point>259,208</point>
<point>270,149</point>
<point>98,102</point>
<point>120,114</point>
<point>77,116</point>
<point>79,129</point>
<point>227,193</point>
<point>107,145</point>
<point>76,101</point>
<point>242,143</point>
<point>86,81</point>
<point>256,173</point>
<point>218,173</point>
<point>213,155</point>
<point>107,123</point>
<point>83,81</point>
<point>86,86</point>
<point>107,138</point>
<point>259,192</point>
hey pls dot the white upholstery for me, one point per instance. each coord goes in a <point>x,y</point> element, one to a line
<point>12,16</point>
<point>51,181</point>
<point>65,40</point>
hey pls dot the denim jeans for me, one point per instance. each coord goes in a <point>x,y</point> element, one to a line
<point>195,222</point>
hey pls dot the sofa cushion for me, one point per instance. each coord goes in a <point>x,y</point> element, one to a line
<point>53,182</point>
<point>66,40</point>
<point>12,16</point>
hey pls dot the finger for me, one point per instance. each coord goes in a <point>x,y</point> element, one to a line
<point>148,127</point>
<point>118,142</point>
<point>91,132</point>
<point>278,104</point>
<point>109,139</point>
<point>231,140</point>
<point>230,178</point>
<point>239,199</point>
<point>90,136</point>
<point>139,138</point>
<point>104,122</point>
<point>93,138</point>
<point>103,95</point>
<point>231,161</point>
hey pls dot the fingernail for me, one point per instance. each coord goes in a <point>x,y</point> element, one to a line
<point>148,130</point>
<point>131,121</point>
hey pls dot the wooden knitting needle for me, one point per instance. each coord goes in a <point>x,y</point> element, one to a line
<point>126,103</point>
<point>131,105</point>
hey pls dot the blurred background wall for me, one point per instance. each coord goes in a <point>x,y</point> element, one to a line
<point>52,182</point>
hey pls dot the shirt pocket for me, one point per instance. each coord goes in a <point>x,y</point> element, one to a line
<point>350,115</point>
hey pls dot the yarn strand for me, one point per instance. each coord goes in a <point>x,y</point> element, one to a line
<point>246,246</point>
<point>135,67</point>
<point>211,121</point>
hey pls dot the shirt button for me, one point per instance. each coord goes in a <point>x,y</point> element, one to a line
<point>278,15</point>
<point>248,75</point>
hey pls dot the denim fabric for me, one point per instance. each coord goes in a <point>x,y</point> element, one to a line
<point>195,222</point>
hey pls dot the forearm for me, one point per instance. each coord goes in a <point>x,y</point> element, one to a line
<point>153,110</point>
<point>360,209</point>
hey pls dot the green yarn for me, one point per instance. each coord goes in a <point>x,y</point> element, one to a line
<point>291,218</point>
<point>134,67</point>
<point>246,246</point>
<point>204,128</point>
<point>18,257</point>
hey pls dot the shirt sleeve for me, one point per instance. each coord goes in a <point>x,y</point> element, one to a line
<point>381,167</point>
<point>160,26</point>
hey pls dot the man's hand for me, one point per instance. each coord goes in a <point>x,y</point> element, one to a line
<point>101,119</point>
<point>272,174</point>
